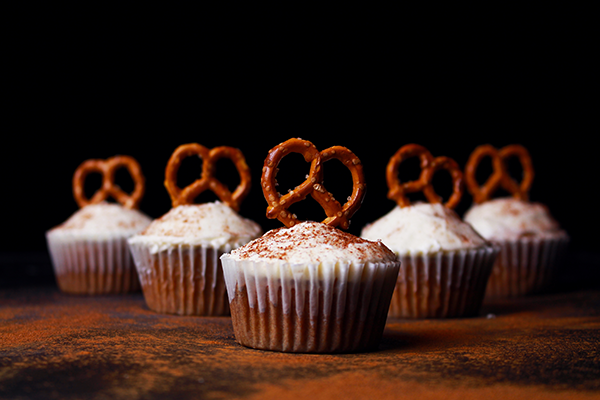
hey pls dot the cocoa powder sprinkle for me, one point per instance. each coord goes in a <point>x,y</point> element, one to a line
<point>313,241</point>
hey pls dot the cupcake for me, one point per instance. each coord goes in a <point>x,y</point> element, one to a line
<point>310,287</point>
<point>531,241</point>
<point>89,251</point>
<point>445,263</point>
<point>177,255</point>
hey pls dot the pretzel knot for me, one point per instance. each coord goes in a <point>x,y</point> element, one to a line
<point>429,166</point>
<point>207,180</point>
<point>500,176</point>
<point>107,168</point>
<point>337,214</point>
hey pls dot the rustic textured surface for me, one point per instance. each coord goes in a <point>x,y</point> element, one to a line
<point>54,346</point>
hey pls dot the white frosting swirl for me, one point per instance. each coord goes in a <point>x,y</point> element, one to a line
<point>101,221</point>
<point>507,218</point>
<point>313,242</point>
<point>423,228</point>
<point>209,224</point>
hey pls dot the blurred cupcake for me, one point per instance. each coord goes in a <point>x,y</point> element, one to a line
<point>530,239</point>
<point>309,287</point>
<point>89,251</point>
<point>177,256</point>
<point>445,264</point>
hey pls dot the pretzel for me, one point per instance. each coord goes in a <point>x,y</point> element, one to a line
<point>500,176</point>
<point>207,180</point>
<point>107,169</point>
<point>429,166</point>
<point>337,215</point>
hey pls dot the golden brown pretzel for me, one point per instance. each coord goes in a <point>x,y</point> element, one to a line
<point>207,180</point>
<point>337,215</point>
<point>429,165</point>
<point>500,175</point>
<point>107,169</point>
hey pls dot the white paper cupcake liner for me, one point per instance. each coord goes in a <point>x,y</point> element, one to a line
<point>93,266</point>
<point>314,308</point>
<point>525,266</point>
<point>183,279</point>
<point>442,285</point>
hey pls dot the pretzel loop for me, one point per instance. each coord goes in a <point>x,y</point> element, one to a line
<point>520,191</point>
<point>207,181</point>
<point>457,181</point>
<point>278,204</point>
<point>337,215</point>
<point>429,165</point>
<point>108,168</point>
<point>500,176</point>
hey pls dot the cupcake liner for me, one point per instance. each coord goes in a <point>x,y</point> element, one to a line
<point>442,285</point>
<point>183,279</point>
<point>309,308</point>
<point>93,266</point>
<point>525,266</point>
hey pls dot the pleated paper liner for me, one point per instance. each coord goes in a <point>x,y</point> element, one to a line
<point>314,308</point>
<point>93,266</point>
<point>442,285</point>
<point>183,279</point>
<point>526,266</point>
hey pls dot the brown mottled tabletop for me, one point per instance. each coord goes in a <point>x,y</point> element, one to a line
<point>56,346</point>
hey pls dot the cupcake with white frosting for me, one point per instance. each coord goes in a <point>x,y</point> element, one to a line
<point>531,244</point>
<point>178,255</point>
<point>531,241</point>
<point>445,263</point>
<point>310,287</point>
<point>89,250</point>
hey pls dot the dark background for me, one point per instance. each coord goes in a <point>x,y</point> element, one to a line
<point>93,89</point>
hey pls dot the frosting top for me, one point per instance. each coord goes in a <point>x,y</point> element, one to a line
<point>102,220</point>
<point>309,242</point>
<point>507,218</point>
<point>212,224</point>
<point>423,228</point>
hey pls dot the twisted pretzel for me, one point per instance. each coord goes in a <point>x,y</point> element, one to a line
<point>107,169</point>
<point>429,166</point>
<point>337,215</point>
<point>500,175</point>
<point>207,179</point>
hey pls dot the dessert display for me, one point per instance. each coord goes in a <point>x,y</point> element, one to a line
<point>445,263</point>
<point>310,287</point>
<point>177,255</point>
<point>89,251</point>
<point>531,240</point>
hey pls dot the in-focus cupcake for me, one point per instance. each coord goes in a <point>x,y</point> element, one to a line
<point>177,255</point>
<point>530,239</point>
<point>310,287</point>
<point>89,251</point>
<point>445,264</point>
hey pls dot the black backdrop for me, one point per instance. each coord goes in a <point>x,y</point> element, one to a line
<point>94,93</point>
